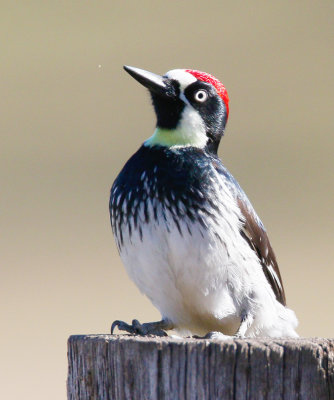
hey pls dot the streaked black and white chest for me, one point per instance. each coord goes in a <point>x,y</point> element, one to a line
<point>174,191</point>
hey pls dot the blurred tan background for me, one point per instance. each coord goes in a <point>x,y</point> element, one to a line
<point>71,117</point>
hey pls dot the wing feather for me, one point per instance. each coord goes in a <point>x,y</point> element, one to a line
<point>257,238</point>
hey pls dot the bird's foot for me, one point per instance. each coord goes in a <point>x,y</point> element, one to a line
<point>246,322</point>
<point>148,328</point>
<point>215,336</point>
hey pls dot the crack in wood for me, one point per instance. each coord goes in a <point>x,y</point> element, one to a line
<point>119,367</point>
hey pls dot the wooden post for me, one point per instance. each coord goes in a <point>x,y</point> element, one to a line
<point>105,367</point>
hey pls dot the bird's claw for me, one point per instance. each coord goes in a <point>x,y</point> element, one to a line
<point>122,326</point>
<point>214,336</point>
<point>136,328</point>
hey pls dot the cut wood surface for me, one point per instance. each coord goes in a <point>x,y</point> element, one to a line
<point>105,367</point>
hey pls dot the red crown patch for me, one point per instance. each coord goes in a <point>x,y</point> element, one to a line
<point>221,90</point>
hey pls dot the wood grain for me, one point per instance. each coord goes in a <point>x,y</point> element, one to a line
<point>105,367</point>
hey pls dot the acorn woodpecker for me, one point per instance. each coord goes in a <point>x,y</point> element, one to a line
<point>185,230</point>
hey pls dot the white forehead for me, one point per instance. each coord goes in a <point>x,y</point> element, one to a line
<point>183,77</point>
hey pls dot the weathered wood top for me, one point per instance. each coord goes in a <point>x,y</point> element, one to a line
<point>131,367</point>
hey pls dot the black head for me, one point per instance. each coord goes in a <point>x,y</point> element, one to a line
<point>191,107</point>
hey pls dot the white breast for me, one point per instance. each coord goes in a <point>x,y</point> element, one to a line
<point>203,278</point>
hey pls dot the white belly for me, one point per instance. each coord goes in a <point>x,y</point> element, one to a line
<point>203,276</point>
<point>198,281</point>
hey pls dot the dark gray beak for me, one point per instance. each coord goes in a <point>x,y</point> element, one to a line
<point>154,83</point>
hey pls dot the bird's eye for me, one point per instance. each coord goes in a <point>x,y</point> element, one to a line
<point>201,96</point>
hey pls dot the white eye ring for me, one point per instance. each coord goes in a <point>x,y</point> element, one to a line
<point>201,96</point>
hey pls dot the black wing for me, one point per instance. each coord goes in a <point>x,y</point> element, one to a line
<point>254,233</point>
<point>258,240</point>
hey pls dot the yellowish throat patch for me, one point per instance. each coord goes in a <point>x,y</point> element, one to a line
<point>189,132</point>
<point>168,138</point>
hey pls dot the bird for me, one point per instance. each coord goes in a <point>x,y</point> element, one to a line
<point>185,230</point>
